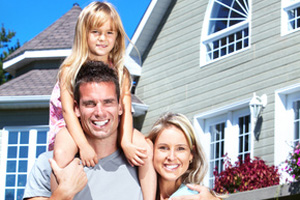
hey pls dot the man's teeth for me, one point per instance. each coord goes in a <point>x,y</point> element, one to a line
<point>101,123</point>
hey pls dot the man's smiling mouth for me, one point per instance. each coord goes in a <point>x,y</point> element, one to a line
<point>100,123</point>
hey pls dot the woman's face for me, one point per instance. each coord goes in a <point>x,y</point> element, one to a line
<point>171,154</point>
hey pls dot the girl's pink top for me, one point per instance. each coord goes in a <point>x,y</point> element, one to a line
<point>56,119</point>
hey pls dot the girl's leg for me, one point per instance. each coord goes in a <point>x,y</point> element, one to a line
<point>64,152</point>
<point>147,174</point>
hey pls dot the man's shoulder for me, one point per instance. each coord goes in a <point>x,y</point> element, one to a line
<point>44,157</point>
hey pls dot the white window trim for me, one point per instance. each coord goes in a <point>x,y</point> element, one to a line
<point>220,34</point>
<point>287,5</point>
<point>228,114</point>
<point>284,123</point>
<point>31,151</point>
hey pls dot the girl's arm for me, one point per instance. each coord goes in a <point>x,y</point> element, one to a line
<point>133,153</point>
<point>87,153</point>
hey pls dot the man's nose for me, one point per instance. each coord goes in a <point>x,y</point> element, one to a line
<point>99,109</point>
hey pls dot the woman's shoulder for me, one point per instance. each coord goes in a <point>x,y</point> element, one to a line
<point>183,190</point>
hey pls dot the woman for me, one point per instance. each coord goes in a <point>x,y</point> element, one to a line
<point>178,156</point>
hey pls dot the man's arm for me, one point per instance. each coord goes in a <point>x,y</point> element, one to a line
<point>71,180</point>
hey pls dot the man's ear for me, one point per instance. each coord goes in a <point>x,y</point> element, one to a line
<point>76,109</point>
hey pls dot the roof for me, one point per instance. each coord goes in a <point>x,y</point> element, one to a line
<point>59,35</point>
<point>54,42</point>
<point>34,82</point>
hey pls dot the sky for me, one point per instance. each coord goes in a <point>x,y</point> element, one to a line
<point>30,17</point>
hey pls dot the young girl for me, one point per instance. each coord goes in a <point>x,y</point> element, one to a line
<point>99,36</point>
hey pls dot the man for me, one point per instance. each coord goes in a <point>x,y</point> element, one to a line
<point>97,105</point>
<point>96,96</point>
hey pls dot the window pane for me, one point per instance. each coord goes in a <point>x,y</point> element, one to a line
<point>247,143</point>
<point>24,137</point>
<point>9,194</point>
<point>39,150</point>
<point>12,152</point>
<point>13,138</point>
<point>240,144</point>
<point>10,180</point>
<point>23,152</point>
<point>22,166</point>
<point>22,180</point>
<point>41,137</point>
<point>20,193</point>
<point>11,166</point>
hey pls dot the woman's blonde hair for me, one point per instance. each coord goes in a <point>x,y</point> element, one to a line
<point>94,16</point>
<point>198,167</point>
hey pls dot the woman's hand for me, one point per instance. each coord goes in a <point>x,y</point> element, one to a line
<point>134,154</point>
<point>88,155</point>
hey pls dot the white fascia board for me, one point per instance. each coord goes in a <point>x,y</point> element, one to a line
<point>139,109</point>
<point>141,26</point>
<point>134,68</point>
<point>35,55</point>
<point>17,102</point>
<point>223,110</point>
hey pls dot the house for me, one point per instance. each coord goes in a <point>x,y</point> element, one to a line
<point>24,101</point>
<point>213,59</point>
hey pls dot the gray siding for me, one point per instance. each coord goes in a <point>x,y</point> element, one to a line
<point>24,117</point>
<point>172,79</point>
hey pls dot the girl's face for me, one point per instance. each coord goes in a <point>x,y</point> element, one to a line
<point>171,154</point>
<point>101,41</point>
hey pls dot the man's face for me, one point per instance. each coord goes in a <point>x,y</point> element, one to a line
<point>98,109</point>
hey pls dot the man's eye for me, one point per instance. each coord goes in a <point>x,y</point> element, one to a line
<point>108,102</point>
<point>89,104</point>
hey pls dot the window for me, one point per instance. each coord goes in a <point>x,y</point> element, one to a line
<point>287,103</point>
<point>217,132</point>
<point>290,16</point>
<point>244,137</point>
<point>224,131</point>
<point>296,109</point>
<point>225,29</point>
<point>20,148</point>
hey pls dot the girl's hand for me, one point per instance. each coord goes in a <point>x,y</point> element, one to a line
<point>134,154</point>
<point>88,156</point>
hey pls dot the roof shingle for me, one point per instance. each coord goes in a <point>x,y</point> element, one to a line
<point>34,82</point>
<point>59,35</point>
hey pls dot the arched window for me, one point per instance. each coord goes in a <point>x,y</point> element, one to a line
<point>225,29</point>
